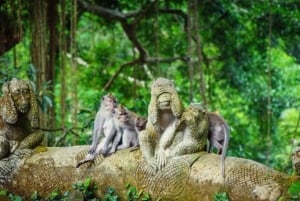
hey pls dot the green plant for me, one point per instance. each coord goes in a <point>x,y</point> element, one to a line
<point>294,191</point>
<point>111,195</point>
<point>11,196</point>
<point>87,187</point>
<point>221,197</point>
<point>134,195</point>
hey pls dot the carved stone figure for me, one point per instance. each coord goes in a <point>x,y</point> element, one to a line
<point>18,118</point>
<point>296,160</point>
<point>171,131</point>
<point>18,125</point>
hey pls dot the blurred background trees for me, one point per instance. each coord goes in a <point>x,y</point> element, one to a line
<point>239,58</point>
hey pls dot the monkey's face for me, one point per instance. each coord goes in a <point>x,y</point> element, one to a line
<point>21,95</point>
<point>109,102</point>
<point>121,114</point>
<point>140,123</point>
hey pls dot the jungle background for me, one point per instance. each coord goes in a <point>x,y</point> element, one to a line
<point>238,58</point>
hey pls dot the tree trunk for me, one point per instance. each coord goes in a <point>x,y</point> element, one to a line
<point>190,177</point>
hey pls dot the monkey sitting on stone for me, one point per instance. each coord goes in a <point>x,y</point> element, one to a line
<point>140,124</point>
<point>103,127</point>
<point>218,136</point>
<point>128,124</point>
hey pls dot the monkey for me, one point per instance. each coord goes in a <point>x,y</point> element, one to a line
<point>218,136</point>
<point>127,129</point>
<point>103,128</point>
<point>103,123</point>
<point>140,124</point>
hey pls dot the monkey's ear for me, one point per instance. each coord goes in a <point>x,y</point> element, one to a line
<point>10,114</point>
<point>34,110</point>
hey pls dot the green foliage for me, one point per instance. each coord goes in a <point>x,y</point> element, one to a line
<point>294,191</point>
<point>134,195</point>
<point>110,195</point>
<point>221,197</point>
<point>11,196</point>
<point>87,187</point>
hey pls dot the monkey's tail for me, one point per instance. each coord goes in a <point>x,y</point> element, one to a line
<point>224,149</point>
<point>88,158</point>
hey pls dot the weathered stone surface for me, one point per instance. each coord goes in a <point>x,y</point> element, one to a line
<point>190,177</point>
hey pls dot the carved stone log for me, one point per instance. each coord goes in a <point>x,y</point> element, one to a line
<point>190,177</point>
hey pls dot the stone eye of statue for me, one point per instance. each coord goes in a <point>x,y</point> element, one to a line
<point>20,94</point>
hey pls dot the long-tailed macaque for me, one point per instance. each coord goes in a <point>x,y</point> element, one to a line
<point>127,130</point>
<point>103,127</point>
<point>140,124</point>
<point>218,136</point>
<point>103,124</point>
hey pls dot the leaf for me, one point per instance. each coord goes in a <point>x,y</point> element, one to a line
<point>87,182</point>
<point>294,190</point>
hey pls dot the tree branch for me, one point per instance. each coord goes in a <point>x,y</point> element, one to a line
<point>130,31</point>
<point>109,83</point>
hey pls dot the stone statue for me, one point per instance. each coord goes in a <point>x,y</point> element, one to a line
<point>171,130</point>
<point>18,121</point>
<point>172,143</point>
<point>296,160</point>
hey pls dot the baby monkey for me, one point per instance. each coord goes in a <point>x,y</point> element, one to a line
<point>218,136</point>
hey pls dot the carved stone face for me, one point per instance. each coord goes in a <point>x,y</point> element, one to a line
<point>20,94</point>
<point>164,101</point>
<point>195,112</point>
<point>163,89</point>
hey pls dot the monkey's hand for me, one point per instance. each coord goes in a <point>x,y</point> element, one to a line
<point>92,150</point>
<point>161,159</point>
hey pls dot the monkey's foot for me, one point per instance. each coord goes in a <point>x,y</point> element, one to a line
<point>134,148</point>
